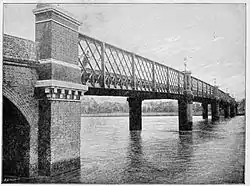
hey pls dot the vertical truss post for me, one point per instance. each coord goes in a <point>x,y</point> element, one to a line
<point>153,76</point>
<point>168,87</point>
<point>191,80</point>
<point>103,64</point>
<point>133,71</point>
<point>202,89</point>
<point>197,87</point>
<point>206,91</point>
<point>179,82</point>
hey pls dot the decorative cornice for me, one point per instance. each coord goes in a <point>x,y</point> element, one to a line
<point>60,12</point>
<point>61,84</point>
<point>51,60</point>
<point>60,90</point>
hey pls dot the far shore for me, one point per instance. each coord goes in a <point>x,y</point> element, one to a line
<point>118,114</point>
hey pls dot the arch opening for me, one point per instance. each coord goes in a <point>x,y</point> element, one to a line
<point>16,141</point>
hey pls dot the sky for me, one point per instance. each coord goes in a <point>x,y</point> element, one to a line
<point>210,36</point>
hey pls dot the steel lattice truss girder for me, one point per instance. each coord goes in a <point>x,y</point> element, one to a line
<point>109,67</point>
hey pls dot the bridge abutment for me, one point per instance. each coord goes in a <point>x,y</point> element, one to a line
<point>135,113</point>
<point>59,91</point>
<point>205,111</point>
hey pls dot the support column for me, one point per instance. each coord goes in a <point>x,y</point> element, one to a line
<point>59,90</point>
<point>185,105</point>
<point>232,110</point>
<point>227,111</point>
<point>205,111</point>
<point>135,113</point>
<point>215,105</point>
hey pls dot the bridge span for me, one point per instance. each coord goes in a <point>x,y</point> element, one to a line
<point>44,81</point>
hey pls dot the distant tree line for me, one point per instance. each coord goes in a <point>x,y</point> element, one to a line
<point>90,106</point>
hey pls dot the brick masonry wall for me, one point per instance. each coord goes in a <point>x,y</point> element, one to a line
<point>19,48</point>
<point>20,73</point>
<point>59,72</point>
<point>43,40</point>
<point>57,42</point>
<point>65,135</point>
<point>64,44</point>
<point>59,136</point>
<point>18,87</point>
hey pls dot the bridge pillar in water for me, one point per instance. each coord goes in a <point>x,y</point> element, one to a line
<point>215,107</point>
<point>185,105</point>
<point>232,110</point>
<point>135,113</point>
<point>59,90</point>
<point>227,111</point>
<point>205,111</point>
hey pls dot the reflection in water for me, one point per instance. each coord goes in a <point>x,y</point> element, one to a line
<point>135,153</point>
<point>134,157</point>
<point>206,125</point>
<point>211,153</point>
<point>185,146</point>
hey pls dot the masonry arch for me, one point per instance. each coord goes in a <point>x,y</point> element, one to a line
<point>16,136</point>
<point>21,102</point>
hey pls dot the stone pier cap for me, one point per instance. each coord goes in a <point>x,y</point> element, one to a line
<point>44,7</point>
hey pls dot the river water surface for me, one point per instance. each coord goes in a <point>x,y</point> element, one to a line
<point>211,153</point>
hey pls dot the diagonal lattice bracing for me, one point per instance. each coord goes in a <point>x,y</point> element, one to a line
<point>143,73</point>
<point>173,81</point>
<point>194,86</point>
<point>90,61</point>
<point>106,66</point>
<point>161,78</point>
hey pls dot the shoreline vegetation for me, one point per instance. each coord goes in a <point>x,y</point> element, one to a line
<point>120,114</point>
<point>91,107</point>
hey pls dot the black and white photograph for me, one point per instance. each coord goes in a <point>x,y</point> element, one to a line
<point>123,92</point>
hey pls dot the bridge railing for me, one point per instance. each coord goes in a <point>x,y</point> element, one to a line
<point>107,66</point>
<point>201,88</point>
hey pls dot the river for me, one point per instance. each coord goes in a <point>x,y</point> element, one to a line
<point>210,154</point>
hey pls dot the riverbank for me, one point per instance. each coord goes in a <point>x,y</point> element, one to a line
<point>119,114</point>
